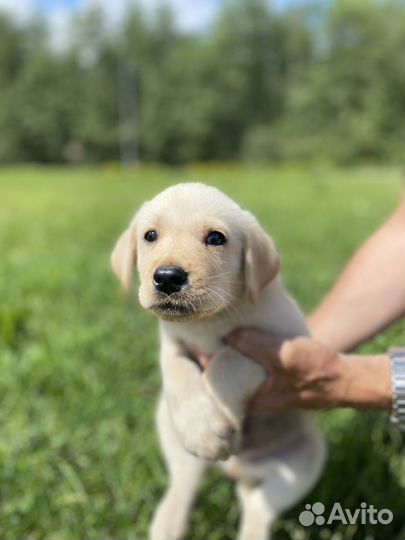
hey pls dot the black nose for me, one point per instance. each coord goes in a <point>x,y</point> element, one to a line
<point>169,279</point>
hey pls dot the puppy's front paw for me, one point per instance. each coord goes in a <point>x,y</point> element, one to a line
<point>207,433</point>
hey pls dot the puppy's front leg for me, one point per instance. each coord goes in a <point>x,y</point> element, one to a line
<point>204,428</point>
<point>232,379</point>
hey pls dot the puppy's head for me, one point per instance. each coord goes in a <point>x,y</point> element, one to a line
<point>196,252</point>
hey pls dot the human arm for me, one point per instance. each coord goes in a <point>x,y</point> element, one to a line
<point>369,294</point>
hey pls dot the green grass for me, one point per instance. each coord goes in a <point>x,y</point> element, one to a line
<point>79,377</point>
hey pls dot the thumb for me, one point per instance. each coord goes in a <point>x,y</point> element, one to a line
<point>258,345</point>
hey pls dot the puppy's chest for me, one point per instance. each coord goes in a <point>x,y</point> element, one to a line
<point>207,344</point>
<point>197,337</point>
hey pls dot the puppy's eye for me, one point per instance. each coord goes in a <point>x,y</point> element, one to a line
<point>215,238</point>
<point>151,236</point>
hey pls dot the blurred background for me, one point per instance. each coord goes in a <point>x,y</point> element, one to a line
<point>270,80</point>
<point>295,109</point>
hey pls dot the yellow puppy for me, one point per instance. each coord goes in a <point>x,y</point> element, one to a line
<point>206,267</point>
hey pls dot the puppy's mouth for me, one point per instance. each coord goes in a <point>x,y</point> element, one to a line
<point>186,305</point>
<point>173,309</point>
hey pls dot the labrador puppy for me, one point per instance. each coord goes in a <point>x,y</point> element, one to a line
<point>207,267</point>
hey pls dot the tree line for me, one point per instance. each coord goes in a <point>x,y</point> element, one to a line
<point>323,81</point>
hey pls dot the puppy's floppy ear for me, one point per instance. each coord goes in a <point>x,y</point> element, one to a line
<point>262,262</point>
<point>123,257</point>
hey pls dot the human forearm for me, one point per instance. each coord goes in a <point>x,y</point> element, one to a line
<point>369,294</point>
<point>362,382</point>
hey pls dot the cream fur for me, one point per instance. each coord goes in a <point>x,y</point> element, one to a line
<point>202,415</point>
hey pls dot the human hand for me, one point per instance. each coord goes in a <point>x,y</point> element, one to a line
<point>302,373</point>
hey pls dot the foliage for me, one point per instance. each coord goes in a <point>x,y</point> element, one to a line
<point>324,79</point>
<point>78,455</point>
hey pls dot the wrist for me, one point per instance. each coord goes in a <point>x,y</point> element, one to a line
<point>364,382</point>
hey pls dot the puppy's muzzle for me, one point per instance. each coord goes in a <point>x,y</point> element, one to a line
<point>169,279</point>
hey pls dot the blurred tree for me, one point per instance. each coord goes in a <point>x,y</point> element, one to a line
<point>98,127</point>
<point>44,98</point>
<point>11,50</point>
<point>96,104</point>
<point>349,103</point>
<point>36,95</point>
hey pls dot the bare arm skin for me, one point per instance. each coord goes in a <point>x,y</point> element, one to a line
<point>370,293</point>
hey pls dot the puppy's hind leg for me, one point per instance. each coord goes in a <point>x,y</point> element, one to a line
<point>171,516</point>
<point>256,517</point>
<point>282,485</point>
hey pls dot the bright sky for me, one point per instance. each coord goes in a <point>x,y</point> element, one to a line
<point>191,15</point>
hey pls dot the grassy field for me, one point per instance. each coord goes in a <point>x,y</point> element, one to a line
<point>79,377</point>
